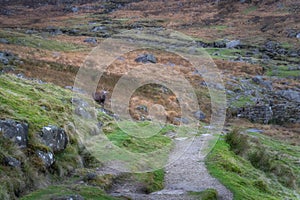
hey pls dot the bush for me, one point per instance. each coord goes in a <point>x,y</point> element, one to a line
<point>260,158</point>
<point>238,142</point>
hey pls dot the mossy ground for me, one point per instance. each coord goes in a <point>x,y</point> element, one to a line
<point>208,194</point>
<point>250,178</point>
<point>87,192</point>
<point>21,39</point>
<point>41,104</point>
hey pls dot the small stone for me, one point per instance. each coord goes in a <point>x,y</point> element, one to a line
<point>10,161</point>
<point>199,115</point>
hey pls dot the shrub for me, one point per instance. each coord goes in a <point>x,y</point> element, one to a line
<point>260,158</point>
<point>238,142</point>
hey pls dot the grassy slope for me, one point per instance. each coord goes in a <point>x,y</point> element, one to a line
<point>43,104</point>
<point>38,42</point>
<point>87,192</point>
<point>248,182</point>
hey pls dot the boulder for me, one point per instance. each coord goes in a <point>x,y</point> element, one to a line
<point>54,137</point>
<point>10,161</point>
<point>219,44</point>
<point>16,131</point>
<point>98,28</point>
<point>233,44</point>
<point>46,157</point>
<point>53,30</point>
<point>298,36</point>
<point>90,40</point>
<point>146,58</point>
<point>199,115</point>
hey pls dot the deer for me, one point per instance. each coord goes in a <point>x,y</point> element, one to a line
<point>100,97</point>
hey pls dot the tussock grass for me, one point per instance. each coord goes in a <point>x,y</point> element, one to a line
<point>254,166</point>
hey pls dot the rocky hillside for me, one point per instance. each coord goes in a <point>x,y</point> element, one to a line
<point>43,45</point>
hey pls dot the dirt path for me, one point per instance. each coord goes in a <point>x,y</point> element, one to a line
<point>188,173</point>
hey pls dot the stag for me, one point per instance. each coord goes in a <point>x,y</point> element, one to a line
<point>100,97</point>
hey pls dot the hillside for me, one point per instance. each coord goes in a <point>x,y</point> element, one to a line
<point>197,90</point>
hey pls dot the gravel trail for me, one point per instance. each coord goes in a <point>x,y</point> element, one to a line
<point>188,173</point>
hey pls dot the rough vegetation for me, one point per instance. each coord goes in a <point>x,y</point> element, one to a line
<point>255,45</point>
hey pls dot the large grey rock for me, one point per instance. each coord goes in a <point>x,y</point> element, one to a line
<point>16,131</point>
<point>46,157</point>
<point>98,28</point>
<point>298,36</point>
<point>219,44</point>
<point>233,44</point>
<point>90,40</point>
<point>54,137</point>
<point>146,58</point>
<point>199,115</point>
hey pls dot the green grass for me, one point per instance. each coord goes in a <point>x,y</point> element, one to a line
<point>37,104</point>
<point>87,192</point>
<point>39,42</point>
<point>242,102</point>
<point>135,144</point>
<point>223,53</point>
<point>208,194</point>
<point>246,181</point>
<point>219,27</point>
<point>153,181</point>
<point>282,72</point>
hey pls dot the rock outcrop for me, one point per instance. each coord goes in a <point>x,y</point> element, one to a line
<point>54,137</point>
<point>16,131</point>
<point>46,157</point>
